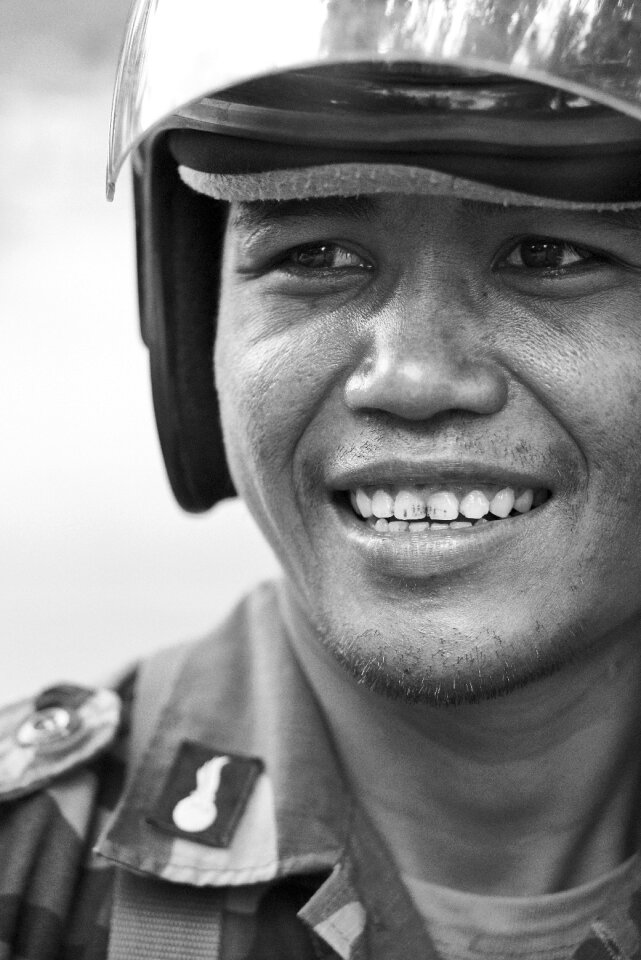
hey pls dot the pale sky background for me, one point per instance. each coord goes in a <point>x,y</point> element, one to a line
<point>98,565</point>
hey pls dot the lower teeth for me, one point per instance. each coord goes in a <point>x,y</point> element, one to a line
<point>416,526</point>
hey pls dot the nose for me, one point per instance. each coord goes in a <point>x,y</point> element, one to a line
<point>419,367</point>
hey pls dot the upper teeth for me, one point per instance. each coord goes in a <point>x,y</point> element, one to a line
<point>418,503</point>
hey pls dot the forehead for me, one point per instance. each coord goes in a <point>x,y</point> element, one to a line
<point>251,215</point>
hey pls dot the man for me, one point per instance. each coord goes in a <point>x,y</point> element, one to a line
<point>423,270</point>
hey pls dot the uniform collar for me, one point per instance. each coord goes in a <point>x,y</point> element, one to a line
<point>241,692</point>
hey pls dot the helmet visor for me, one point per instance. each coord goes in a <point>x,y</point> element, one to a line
<point>177,52</point>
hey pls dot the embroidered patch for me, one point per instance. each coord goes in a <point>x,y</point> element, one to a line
<point>205,794</point>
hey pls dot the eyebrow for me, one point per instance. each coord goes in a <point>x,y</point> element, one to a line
<point>253,215</point>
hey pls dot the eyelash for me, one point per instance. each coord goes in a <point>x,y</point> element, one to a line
<point>293,259</point>
<point>547,257</point>
<point>547,254</point>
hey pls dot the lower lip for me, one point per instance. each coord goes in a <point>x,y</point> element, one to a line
<point>428,553</point>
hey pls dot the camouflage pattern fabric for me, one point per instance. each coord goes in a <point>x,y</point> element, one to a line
<point>55,896</point>
<point>297,873</point>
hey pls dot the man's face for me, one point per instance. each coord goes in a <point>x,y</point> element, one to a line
<point>440,357</point>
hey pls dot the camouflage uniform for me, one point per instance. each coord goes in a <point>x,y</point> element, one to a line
<point>91,868</point>
<point>303,874</point>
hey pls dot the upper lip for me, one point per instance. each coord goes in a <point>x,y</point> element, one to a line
<point>432,472</point>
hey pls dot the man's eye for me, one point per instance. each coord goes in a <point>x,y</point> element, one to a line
<point>543,253</point>
<point>323,256</point>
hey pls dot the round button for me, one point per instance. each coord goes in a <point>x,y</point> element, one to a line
<point>45,727</point>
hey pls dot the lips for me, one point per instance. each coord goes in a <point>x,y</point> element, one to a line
<point>423,533</point>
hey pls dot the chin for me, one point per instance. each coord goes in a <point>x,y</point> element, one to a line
<point>443,669</point>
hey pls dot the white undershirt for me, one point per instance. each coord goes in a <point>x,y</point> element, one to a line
<point>466,926</point>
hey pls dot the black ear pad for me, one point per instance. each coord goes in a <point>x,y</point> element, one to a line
<point>179,239</point>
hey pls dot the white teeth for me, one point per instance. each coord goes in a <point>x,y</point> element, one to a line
<point>457,524</point>
<point>474,505</point>
<point>442,506</point>
<point>409,505</point>
<point>381,525</point>
<point>397,526</point>
<point>523,502</point>
<point>382,504</point>
<point>502,503</point>
<point>420,525</point>
<point>363,504</point>
<point>414,504</point>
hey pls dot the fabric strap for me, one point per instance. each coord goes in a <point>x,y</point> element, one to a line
<point>155,681</point>
<point>152,919</point>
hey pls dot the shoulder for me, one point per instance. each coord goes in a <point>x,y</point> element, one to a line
<point>61,728</point>
<point>68,727</point>
<point>70,731</point>
<point>62,769</point>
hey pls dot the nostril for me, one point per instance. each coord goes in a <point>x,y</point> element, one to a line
<point>420,388</point>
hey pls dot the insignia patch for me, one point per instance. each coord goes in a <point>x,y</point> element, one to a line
<point>205,794</point>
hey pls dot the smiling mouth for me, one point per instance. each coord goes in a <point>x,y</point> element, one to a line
<point>415,509</point>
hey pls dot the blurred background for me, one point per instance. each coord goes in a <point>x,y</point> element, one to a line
<point>97,564</point>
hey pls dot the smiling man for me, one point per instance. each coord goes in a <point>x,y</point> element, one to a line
<point>446,464</point>
<point>409,234</point>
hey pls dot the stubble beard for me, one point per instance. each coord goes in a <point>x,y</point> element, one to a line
<point>378,662</point>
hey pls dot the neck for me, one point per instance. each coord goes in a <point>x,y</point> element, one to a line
<point>527,794</point>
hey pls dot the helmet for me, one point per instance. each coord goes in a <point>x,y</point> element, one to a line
<point>533,101</point>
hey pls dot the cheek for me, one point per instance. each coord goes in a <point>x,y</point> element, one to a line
<point>584,365</point>
<point>272,378</point>
<point>253,414</point>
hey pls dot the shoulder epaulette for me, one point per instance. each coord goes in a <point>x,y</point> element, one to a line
<point>43,737</point>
